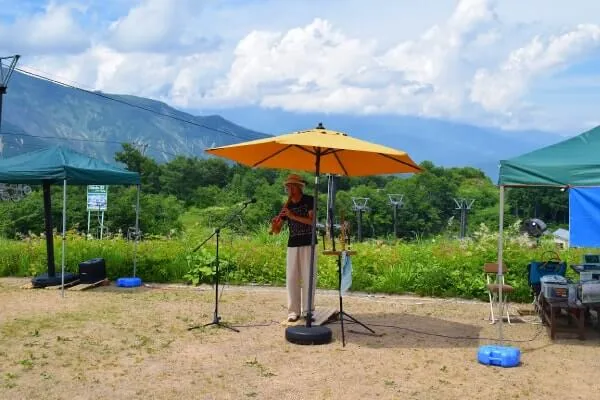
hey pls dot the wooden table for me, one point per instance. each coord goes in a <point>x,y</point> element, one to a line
<point>550,309</point>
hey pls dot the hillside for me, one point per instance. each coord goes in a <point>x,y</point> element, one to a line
<point>97,125</point>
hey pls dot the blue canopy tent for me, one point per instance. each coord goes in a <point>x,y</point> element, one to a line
<point>60,164</point>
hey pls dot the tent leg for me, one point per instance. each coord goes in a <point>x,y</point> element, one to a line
<point>500,262</point>
<point>64,236</point>
<point>49,229</point>
<point>137,230</point>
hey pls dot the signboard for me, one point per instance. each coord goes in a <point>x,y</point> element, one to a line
<point>97,197</point>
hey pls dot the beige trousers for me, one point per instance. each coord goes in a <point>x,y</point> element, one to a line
<point>297,276</point>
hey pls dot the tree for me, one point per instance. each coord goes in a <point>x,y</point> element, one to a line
<point>135,161</point>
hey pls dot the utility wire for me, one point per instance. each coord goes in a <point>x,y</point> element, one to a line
<point>121,101</point>
<point>78,139</point>
<point>539,330</point>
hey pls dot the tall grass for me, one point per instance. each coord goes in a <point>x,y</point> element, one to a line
<point>432,267</point>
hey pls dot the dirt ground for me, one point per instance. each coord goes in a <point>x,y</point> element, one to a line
<point>114,343</point>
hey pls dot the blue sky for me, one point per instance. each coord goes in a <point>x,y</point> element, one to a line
<point>507,63</point>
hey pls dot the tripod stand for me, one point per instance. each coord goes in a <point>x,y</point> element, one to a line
<point>216,318</point>
<point>342,314</point>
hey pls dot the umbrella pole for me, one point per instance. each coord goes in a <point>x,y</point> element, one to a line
<point>500,263</point>
<point>313,242</point>
<point>64,237</point>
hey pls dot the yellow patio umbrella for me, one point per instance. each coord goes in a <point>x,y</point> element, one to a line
<point>318,150</point>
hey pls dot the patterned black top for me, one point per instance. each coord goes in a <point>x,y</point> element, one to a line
<point>300,234</point>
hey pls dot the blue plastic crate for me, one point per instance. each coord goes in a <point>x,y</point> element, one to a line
<point>501,356</point>
<point>129,282</point>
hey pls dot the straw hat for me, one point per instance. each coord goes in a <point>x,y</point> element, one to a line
<point>294,179</point>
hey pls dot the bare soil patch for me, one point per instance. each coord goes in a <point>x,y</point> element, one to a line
<point>113,343</point>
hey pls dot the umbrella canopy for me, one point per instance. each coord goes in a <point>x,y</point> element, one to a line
<point>319,150</point>
<point>339,154</point>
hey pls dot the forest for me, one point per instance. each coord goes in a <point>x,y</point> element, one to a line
<point>427,204</point>
<point>184,200</point>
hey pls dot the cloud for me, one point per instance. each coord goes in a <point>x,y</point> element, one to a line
<point>500,90</point>
<point>300,61</point>
<point>153,75</point>
<point>161,26</point>
<point>318,68</point>
<point>473,61</point>
<point>54,30</point>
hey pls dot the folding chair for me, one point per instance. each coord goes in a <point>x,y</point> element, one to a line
<point>493,288</point>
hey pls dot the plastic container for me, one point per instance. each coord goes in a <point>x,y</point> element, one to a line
<point>573,293</point>
<point>589,292</point>
<point>501,356</point>
<point>129,282</point>
<point>555,287</point>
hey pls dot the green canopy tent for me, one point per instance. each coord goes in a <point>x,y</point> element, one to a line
<point>573,162</point>
<point>570,163</point>
<point>60,164</point>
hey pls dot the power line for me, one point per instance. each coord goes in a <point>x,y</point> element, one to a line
<point>80,140</point>
<point>55,81</point>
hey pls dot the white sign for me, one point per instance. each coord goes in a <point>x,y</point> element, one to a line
<point>97,197</point>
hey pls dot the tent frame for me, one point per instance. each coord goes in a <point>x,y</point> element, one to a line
<point>501,236</point>
<point>64,235</point>
<point>58,164</point>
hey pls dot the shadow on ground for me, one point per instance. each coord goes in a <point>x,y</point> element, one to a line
<point>406,330</point>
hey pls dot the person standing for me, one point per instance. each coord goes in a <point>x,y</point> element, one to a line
<point>298,212</point>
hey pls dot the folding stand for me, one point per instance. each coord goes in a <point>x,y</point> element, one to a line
<point>342,313</point>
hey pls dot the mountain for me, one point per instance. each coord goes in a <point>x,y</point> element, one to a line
<point>445,143</point>
<point>96,123</point>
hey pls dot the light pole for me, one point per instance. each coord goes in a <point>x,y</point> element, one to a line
<point>464,205</point>
<point>360,206</point>
<point>5,73</point>
<point>396,201</point>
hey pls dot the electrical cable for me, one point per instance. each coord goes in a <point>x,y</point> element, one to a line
<point>121,101</point>
<point>78,139</point>
<point>539,330</point>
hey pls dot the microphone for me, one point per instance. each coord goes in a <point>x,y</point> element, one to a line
<point>253,200</point>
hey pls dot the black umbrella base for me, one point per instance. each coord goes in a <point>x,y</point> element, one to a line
<point>44,280</point>
<point>306,336</point>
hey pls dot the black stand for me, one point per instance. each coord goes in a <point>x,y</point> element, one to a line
<point>342,314</point>
<point>216,318</point>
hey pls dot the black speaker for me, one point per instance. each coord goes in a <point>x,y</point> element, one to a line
<point>92,271</point>
<point>533,227</point>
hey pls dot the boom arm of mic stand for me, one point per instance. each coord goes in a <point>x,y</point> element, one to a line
<point>231,217</point>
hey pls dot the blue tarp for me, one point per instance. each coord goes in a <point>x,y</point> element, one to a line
<point>584,217</point>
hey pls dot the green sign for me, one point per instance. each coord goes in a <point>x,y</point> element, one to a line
<point>97,197</point>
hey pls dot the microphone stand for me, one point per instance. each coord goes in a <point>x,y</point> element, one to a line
<point>216,318</point>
